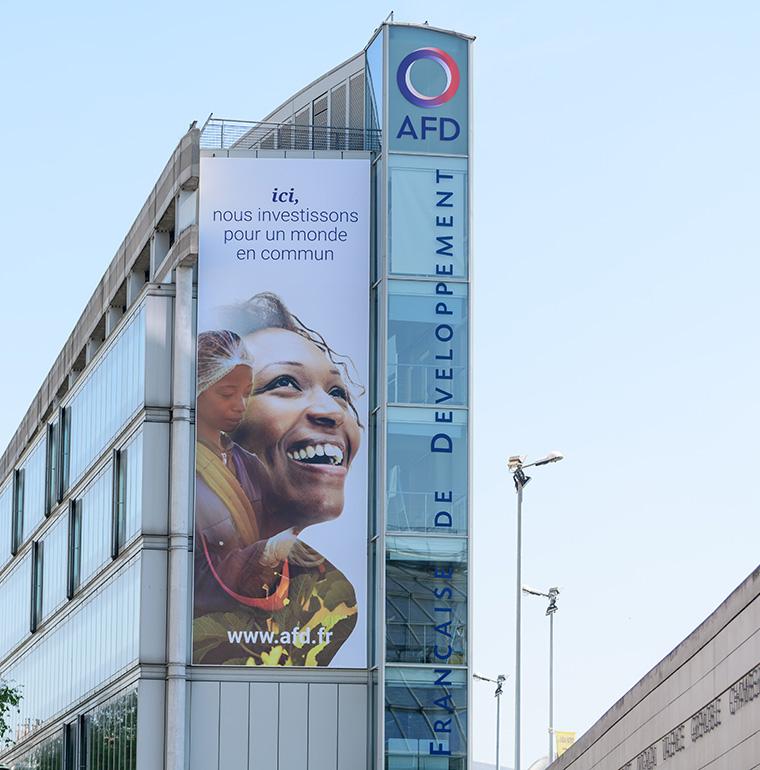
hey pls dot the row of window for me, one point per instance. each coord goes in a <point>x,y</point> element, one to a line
<point>35,487</point>
<point>102,739</point>
<point>88,647</point>
<point>100,523</point>
<point>93,536</point>
<point>107,397</point>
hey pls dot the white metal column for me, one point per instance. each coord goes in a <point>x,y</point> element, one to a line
<point>178,595</point>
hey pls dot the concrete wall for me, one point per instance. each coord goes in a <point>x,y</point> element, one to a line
<point>698,708</point>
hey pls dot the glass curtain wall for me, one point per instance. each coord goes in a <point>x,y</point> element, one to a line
<point>6,515</point>
<point>55,544</point>
<point>34,488</point>
<point>110,735</point>
<point>47,755</point>
<point>109,741</point>
<point>108,397</point>
<point>422,417</point>
<point>15,601</point>
<point>86,649</point>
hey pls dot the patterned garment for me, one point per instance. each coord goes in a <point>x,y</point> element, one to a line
<point>316,615</point>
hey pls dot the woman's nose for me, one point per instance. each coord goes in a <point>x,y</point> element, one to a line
<point>324,409</point>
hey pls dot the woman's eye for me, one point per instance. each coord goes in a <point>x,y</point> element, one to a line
<point>283,381</point>
<point>339,392</point>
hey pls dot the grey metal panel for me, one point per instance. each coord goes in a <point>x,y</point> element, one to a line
<point>158,340</point>
<point>262,732</point>
<point>323,727</point>
<point>155,480</point>
<point>204,726</point>
<point>352,727</point>
<point>153,607</point>
<point>150,725</point>
<point>233,726</point>
<point>294,725</point>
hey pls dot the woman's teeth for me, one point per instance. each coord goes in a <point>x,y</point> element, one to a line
<point>323,454</point>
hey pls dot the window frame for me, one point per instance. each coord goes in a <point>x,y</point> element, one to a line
<point>74,550</point>
<point>64,451</point>
<point>35,615</point>
<point>17,511</point>
<point>118,501</point>
<point>52,461</point>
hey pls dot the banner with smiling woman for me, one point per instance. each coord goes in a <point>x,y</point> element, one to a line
<point>281,453</point>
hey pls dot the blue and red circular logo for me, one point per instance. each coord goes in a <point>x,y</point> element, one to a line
<point>447,64</point>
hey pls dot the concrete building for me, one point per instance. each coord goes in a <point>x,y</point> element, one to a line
<point>96,485</point>
<point>698,708</point>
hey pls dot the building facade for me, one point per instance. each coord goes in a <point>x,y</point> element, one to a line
<point>97,494</point>
<point>698,708</point>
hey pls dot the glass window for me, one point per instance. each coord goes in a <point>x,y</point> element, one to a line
<point>64,466</point>
<point>108,397</point>
<point>426,473</point>
<point>74,565</point>
<point>426,600</point>
<point>37,564</point>
<point>427,343</point>
<point>18,510</point>
<point>133,450</point>
<point>15,599</point>
<point>94,518</point>
<point>33,502</point>
<point>425,719</point>
<point>47,755</point>
<point>54,567</point>
<point>88,647</point>
<point>51,470</point>
<point>71,745</point>
<point>6,521</point>
<point>110,734</point>
<point>118,501</point>
<point>427,218</point>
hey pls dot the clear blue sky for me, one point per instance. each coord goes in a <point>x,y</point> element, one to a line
<point>616,243</point>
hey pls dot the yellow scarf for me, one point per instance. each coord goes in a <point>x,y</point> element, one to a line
<point>224,484</point>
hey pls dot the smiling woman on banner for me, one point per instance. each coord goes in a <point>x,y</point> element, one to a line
<point>302,430</point>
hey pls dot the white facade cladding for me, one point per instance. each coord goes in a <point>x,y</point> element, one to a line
<point>96,486</point>
<point>698,708</point>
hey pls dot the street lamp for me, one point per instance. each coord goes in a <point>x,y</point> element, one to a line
<point>551,595</point>
<point>517,466</point>
<point>499,681</point>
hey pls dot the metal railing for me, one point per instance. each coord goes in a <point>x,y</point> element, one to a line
<point>223,134</point>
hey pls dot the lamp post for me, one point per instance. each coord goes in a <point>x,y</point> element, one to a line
<point>551,595</point>
<point>499,681</point>
<point>517,466</point>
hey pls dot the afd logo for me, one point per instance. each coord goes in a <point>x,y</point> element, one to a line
<point>444,128</point>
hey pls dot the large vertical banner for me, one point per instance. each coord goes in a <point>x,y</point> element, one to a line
<point>280,567</point>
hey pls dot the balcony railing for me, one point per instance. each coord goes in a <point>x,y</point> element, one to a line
<point>222,134</point>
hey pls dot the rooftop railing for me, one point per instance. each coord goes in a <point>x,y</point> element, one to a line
<point>223,134</point>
